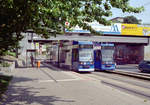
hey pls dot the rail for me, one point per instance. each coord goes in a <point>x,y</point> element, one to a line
<point>133,74</point>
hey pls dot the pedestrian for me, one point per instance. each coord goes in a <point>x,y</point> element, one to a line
<point>32,60</point>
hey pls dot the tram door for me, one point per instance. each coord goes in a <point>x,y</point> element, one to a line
<point>75,59</point>
<point>97,59</point>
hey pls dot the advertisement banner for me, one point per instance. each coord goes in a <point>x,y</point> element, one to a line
<point>131,29</point>
<point>114,29</point>
<point>146,31</point>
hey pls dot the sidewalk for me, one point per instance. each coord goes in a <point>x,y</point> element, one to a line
<point>45,86</point>
<point>30,86</point>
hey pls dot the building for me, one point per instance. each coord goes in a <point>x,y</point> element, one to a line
<point>118,20</point>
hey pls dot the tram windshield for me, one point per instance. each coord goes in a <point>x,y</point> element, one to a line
<point>107,54</point>
<point>86,54</point>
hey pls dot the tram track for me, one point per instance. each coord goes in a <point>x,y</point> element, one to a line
<point>130,80</point>
<point>128,83</point>
<point>131,86</point>
<point>132,74</point>
<point>47,74</point>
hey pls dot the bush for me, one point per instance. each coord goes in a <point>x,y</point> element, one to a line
<point>11,53</point>
<point>4,64</point>
<point>4,82</point>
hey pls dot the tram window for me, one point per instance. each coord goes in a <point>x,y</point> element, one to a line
<point>98,55</point>
<point>85,46</point>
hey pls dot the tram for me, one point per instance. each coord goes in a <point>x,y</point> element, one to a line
<point>83,56</point>
<point>104,56</point>
<point>77,55</point>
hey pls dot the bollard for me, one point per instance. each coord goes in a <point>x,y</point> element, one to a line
<point>38,64</point>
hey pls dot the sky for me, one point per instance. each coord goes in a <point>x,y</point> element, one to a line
<point>144,16</point>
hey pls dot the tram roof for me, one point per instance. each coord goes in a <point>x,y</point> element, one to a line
<point>85,42</point>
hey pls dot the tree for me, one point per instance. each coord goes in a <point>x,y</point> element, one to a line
<point>15,17</point>
<point>131,19</point>
<point>48,17</point>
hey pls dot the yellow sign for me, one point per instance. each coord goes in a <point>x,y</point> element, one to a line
<point>37,45</point>
<point>146,31</point>
<point>131,29</point>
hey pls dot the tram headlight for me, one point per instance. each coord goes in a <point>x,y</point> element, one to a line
<point>81,63</point>
<point>103,62</point>
<point>92,63</point>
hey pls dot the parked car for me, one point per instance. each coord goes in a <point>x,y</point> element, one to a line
<point>144,66</point>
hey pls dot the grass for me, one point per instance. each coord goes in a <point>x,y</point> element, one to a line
<point>4,82</point>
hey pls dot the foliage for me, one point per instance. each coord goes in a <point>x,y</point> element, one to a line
<point>4,82</point>
<point>131,19</point>
<point>48,17</point>
<point>4,64</point>
<point>11,53</point>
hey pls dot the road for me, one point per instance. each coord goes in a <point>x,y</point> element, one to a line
<point>52,86</point>
<point>128,84</point>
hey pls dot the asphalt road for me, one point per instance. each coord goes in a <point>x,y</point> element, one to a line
<point>124,83</point>
<point>52,86</point>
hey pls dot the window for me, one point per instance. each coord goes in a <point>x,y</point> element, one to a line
<point>86,46</point>
<point>98,55</point>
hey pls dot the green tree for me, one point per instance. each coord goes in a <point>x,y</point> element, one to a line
<point>48,17</point>
<point>131,20</point>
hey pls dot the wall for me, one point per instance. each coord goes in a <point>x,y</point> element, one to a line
<point>129,53</point>
<point>147,51</point>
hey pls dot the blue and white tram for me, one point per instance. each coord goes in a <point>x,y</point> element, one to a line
<point>104,56</point>
<point>78,56</point>
<point>82,56</point>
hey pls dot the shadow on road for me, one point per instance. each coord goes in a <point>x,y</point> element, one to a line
<point>21,95</point>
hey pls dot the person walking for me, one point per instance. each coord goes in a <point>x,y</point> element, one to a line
<point>32,60</point>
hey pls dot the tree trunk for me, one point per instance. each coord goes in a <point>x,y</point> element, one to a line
<point>17,34</point>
